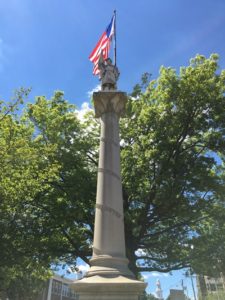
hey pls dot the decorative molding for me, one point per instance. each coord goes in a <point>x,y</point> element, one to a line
<point>105,102</point>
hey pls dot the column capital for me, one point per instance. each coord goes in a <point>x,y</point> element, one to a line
<point>105,102</point>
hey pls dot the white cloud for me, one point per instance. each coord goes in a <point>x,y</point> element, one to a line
<point>140,252</point>
<point>156,274</point>
<point>85,108</point>
<point>83,268</point>
<point>95,89</point>
<point>148,275</point>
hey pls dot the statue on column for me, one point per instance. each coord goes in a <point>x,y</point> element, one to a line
<point>109,74</point>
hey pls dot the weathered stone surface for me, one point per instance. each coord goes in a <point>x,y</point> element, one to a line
<point>109,277</point>
<point>115,288</point>
<point>109,102</point>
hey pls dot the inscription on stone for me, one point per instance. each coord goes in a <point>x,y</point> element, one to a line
<point>108,209</point>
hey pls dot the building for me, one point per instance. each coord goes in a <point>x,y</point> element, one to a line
<point>58,288</point>
<point>210,285</point>
<point>177,295</point>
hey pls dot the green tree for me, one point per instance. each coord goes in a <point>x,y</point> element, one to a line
<point>149,297</point>
<point>208,253</point>
<point>173,165</point>
<point>23,174</point>
<point>47,190</point>
<point>172,157</point>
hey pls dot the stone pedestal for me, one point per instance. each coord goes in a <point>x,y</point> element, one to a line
<point>109,277</point>
<point>106,288</point>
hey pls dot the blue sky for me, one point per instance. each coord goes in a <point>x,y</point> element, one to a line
<point>45,45</point>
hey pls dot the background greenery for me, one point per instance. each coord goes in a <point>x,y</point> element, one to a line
<point>172,158</point>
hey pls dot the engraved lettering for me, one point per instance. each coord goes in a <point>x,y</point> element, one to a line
<point>108,209</point>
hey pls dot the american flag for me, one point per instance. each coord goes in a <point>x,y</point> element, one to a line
<point>103,46</point>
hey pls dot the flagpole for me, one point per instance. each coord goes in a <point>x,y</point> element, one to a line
<point>115,38</point>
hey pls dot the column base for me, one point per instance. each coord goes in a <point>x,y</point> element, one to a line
<point>109,288</point>
<point>106,265</point>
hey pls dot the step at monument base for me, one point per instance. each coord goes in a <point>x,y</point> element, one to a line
<point>109,288</point>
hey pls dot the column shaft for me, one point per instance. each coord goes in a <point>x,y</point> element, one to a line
<point>109,277</point>
<point>109,227</point>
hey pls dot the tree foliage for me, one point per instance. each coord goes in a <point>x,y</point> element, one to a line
<point>47,189</point>
<point>149,297</point>
<point>172,156</point>
<point>173,164</point>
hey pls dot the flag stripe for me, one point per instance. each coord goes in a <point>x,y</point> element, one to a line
<point>98,47</point>
<point>103,46</point>
<point>99,50</point>
<point>105,53</point>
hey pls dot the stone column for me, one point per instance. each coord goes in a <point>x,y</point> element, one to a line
<point>109,277</point>
<point>109,256</point>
